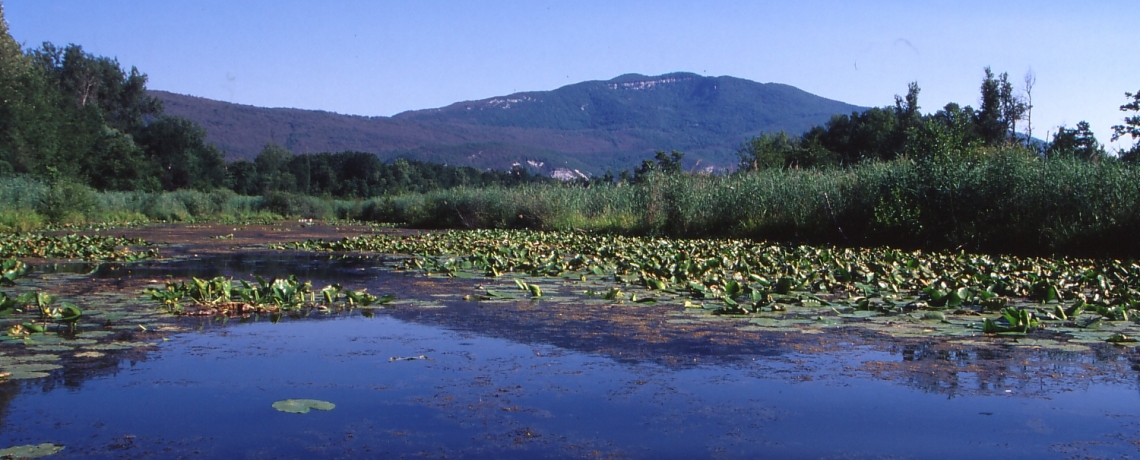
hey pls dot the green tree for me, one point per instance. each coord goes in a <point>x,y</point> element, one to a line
<point>85,79</point>
<point>1079,142</point>
<point>117,163</point>
<point>1131,128</point>
<point>949,132</point>
<point>33,131</point>
<point>869,135</point>
<point>241,177</point>
<point>767,151</point>
<point>989,120</point>
<point>273,169</point>
<point>1001,109</point>
<point>177,149</point>
<point>663,163</point>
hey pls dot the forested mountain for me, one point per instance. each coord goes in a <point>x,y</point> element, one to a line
<point>591,126</point>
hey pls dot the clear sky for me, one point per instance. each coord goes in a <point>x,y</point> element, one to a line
<point>385,57</point>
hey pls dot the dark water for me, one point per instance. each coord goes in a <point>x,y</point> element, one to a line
<point>484,392</point>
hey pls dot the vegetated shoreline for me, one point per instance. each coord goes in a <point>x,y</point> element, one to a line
<point>1006,201</point>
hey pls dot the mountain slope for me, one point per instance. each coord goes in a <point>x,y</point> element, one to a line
<point>592,126</point>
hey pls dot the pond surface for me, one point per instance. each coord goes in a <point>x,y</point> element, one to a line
<point>438,376</point>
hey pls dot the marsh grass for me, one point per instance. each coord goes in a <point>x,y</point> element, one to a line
<point>1001,201</point>
<point>29,205</point>
<point>1006,201</point>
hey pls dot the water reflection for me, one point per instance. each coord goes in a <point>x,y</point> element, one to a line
<point>480,396</point>
<point>548,378</point>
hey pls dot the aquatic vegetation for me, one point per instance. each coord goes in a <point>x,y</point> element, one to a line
<point>302,406</point>
<point>1012,320</point>
<point>31,451</point>
<point>407,358</point>
<point>12,269</point>
<point>221,296</point>
<point>74,246</point>
<point>746,278</point>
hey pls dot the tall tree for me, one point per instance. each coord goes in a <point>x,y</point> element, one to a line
<point>31,123</point>
<point>100,81</point>
<point>664,163</point>
<point>1131,127</point>
<point>1079,142</point>
<point>178,150</point>
<point>1001,109</point>
<point>273,169</point>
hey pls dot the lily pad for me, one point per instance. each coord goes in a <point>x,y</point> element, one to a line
<point>81,342</point>
<point>94,334</point>
<point>50,348</point>
<point>35,367</point>
<point>116,346</point>
<point>36,358</point>
<point>302,406</point>
<point>14,375</point>
<point>31,451</point>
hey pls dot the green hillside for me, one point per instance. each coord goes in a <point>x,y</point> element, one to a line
<point>591,126</point>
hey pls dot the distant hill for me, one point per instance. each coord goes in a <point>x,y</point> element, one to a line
<point>590,126</point>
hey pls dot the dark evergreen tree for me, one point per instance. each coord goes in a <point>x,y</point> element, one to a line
<point>1079,142</point>
<point>1130,128</point>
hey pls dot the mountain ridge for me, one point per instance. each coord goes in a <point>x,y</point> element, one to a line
<point>591,125</point>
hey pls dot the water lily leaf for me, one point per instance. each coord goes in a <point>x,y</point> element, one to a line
<point>36,358</point>
<point>94,334</point>
<point>114,346</point>
<point>22,375</point>
<point>302,406</point>
<point>31,451</point>
<point>1121,338</point>
<point>50,348</point>
<point>32,367</point>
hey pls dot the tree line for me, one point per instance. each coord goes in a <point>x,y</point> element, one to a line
<point>358,175</point>
<point>68,115</point>
<point>887,133</point>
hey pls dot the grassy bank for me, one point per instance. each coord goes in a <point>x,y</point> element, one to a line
<point>1004,202</point>
<point>1001,202</point>
<point>29,205</point>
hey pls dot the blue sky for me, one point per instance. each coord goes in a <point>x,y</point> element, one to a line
<point>385,57</point>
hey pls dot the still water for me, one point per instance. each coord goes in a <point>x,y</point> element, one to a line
<point>467,380</point>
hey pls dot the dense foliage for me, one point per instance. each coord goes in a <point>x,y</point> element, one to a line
<point>358,175</point>
<point>887,133</point>
<point>727,268</point>
<point>1006,201</point>
<point>70,116</point>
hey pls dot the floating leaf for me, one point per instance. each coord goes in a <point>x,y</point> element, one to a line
<point>302,406</point>
<point>31,451</point>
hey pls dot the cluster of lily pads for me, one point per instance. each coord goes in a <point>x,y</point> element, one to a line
<point>74,246</point>
<point>38,301</point>
<point>224,296</point>
<point>738,277</point>
<point>35,328</point>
